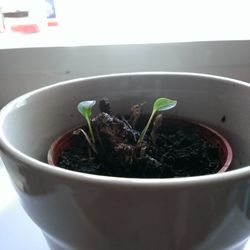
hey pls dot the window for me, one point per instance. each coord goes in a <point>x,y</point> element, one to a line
<point>26,23</point>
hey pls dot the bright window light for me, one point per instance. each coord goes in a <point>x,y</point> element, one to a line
<point>96,22</point>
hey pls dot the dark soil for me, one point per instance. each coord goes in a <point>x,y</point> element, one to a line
<point>172,148</point>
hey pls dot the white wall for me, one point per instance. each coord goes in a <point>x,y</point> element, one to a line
<point>22,70</point>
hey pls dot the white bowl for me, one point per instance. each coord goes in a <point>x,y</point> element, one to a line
<point>82,211</point>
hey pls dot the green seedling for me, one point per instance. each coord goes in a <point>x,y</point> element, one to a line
<point>161,104</point>
<point>85,109</point>
<point>80,130</point>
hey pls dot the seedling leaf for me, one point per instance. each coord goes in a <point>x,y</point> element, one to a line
<point>84,108</point>
<point>160,104</point>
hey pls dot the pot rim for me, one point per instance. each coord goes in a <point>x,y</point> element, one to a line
<point>7,148</point>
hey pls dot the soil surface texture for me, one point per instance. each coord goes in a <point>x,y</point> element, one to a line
<point>171,148</point>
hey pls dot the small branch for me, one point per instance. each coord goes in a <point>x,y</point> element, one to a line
<point>136,111</point>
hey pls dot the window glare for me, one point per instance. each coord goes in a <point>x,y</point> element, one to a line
<point>74,22</point>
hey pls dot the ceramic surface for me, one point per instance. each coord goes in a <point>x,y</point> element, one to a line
<point>81,211</point>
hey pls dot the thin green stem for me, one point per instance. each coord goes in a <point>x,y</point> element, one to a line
<point>90,130</point>
<point>87,139</point>
<point>144,131</point>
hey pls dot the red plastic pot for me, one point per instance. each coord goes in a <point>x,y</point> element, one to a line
<point>225,151</point>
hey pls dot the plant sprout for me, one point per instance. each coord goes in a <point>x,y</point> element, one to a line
<point>160,104</point>
<point>84,108</point>
<point>80,130</point>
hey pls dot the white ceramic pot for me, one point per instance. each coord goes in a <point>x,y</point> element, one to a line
<point>81,211</point>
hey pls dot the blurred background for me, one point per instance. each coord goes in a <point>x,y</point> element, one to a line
<point>95,22</point>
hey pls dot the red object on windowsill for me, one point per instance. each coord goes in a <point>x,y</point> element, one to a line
<point>52,23</point>
<point>25,28</point>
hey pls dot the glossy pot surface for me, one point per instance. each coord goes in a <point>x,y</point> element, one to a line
<point>82,211</point>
